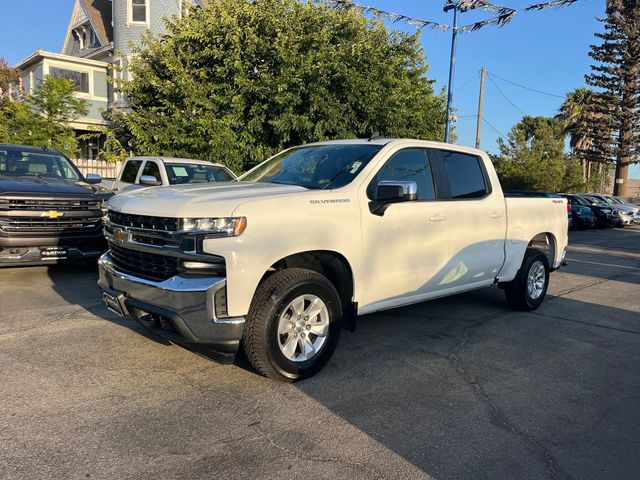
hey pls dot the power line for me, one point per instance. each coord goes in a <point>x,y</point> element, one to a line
<point>494,128</point>
<point>525,87</point>
<point>505,97</point>
<point>466,83</point>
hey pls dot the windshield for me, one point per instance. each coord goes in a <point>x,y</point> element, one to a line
<point>315,167</point>
<point>179,173</point>
<point>17,163</point>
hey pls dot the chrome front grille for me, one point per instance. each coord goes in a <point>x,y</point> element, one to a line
<point>42,225</point>
<point>9,204</point>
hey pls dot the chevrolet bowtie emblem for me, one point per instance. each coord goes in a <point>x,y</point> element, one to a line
<point>52,214</point>
<point>121,236</point>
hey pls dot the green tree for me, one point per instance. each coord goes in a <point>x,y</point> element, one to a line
<point>42,119</point>
<point>616,73</point>
<point>533,158</point>
<point>239,80</point>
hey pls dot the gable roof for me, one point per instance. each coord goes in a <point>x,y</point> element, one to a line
<point>99,11</point>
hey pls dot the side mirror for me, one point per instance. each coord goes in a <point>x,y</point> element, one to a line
<point>93,178</point>
<point>150,180</point>
<point>390,191</point>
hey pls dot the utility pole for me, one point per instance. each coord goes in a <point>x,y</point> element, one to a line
<point>480,99</point>
<point>452,4</point>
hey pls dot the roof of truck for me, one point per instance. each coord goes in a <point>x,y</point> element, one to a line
<point>177,160</point>
<point>28,148</point>
<point>382,141</point>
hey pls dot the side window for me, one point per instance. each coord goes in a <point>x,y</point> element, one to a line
<point>464,173</point>
<point>130,171</point>
<point>151,168</point>
<point>411,164</point>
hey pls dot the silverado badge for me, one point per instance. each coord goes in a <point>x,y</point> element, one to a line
<point>52,214</point>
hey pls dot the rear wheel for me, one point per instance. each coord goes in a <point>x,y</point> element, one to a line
<point>293,325</point>
<point>527,291</point>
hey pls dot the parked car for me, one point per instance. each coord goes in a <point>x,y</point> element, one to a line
<point>605,216</point>
<point>140,172</point>
<point>630,213</point>
<point>49,212</point>
<point>583,217</point>
<point>317,235</point>
<point>623,217</point>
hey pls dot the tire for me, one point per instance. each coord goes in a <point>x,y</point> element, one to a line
<point>266,347</point>
<point>517,291</point>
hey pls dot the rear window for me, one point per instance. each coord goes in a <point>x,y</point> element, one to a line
<point>464,173</point>
<point>130,171</point>
<point>179,173</point>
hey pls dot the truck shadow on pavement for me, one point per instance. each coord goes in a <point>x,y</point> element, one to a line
<point>463,387</point>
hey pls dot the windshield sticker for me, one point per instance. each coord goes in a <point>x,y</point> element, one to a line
<point>355,167</point>
<point>180,172</point>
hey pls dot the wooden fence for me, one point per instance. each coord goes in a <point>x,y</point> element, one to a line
<point>102,168</point>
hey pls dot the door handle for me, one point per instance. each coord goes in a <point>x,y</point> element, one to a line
<point>495,215</point>
<point>437,218</point>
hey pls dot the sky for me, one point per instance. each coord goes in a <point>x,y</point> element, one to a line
<point>546,51</point>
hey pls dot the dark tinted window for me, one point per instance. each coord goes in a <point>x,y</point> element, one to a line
<point>130,171</point>
<point>410,165</point>
<point>151,168</point>
<point>464,174</point>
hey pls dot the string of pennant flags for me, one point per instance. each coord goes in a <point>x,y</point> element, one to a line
<point>503,14</point>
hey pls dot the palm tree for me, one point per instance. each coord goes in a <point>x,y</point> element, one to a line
<point>580,118</point>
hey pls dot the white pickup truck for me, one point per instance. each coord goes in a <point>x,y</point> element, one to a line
<point>280,261</point>
<point>141,172</point>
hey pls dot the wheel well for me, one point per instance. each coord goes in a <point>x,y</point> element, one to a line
<point>546,243</point>
<point>332,265</point>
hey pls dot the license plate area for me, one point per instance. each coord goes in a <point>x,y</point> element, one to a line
<point>53,253</point>
<point>112,304</point>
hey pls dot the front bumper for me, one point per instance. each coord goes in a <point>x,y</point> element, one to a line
<point>19,250</point>
<point>180,309</point>
<point>581,221</point>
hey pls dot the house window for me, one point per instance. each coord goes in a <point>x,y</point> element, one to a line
<point>80,80</point>
<point>138,11</point>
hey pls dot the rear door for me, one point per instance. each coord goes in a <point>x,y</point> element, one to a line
<point>477,217</point>
<point>128,176</point>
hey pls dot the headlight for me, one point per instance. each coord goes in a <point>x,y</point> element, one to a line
<point>223,227</point>
<point>606,210</point>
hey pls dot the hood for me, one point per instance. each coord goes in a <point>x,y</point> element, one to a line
<point>195,201</point>
<point>47,186</point>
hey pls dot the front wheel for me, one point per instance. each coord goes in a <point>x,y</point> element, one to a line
<point>293,325</point>
<point>527,291</point>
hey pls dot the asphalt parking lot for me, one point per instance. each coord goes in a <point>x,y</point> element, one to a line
<point>455,388</point>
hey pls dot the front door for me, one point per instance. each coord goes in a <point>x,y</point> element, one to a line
<point>406,248</point>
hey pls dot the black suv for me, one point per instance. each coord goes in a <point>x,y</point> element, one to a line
<point>49,212</point>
